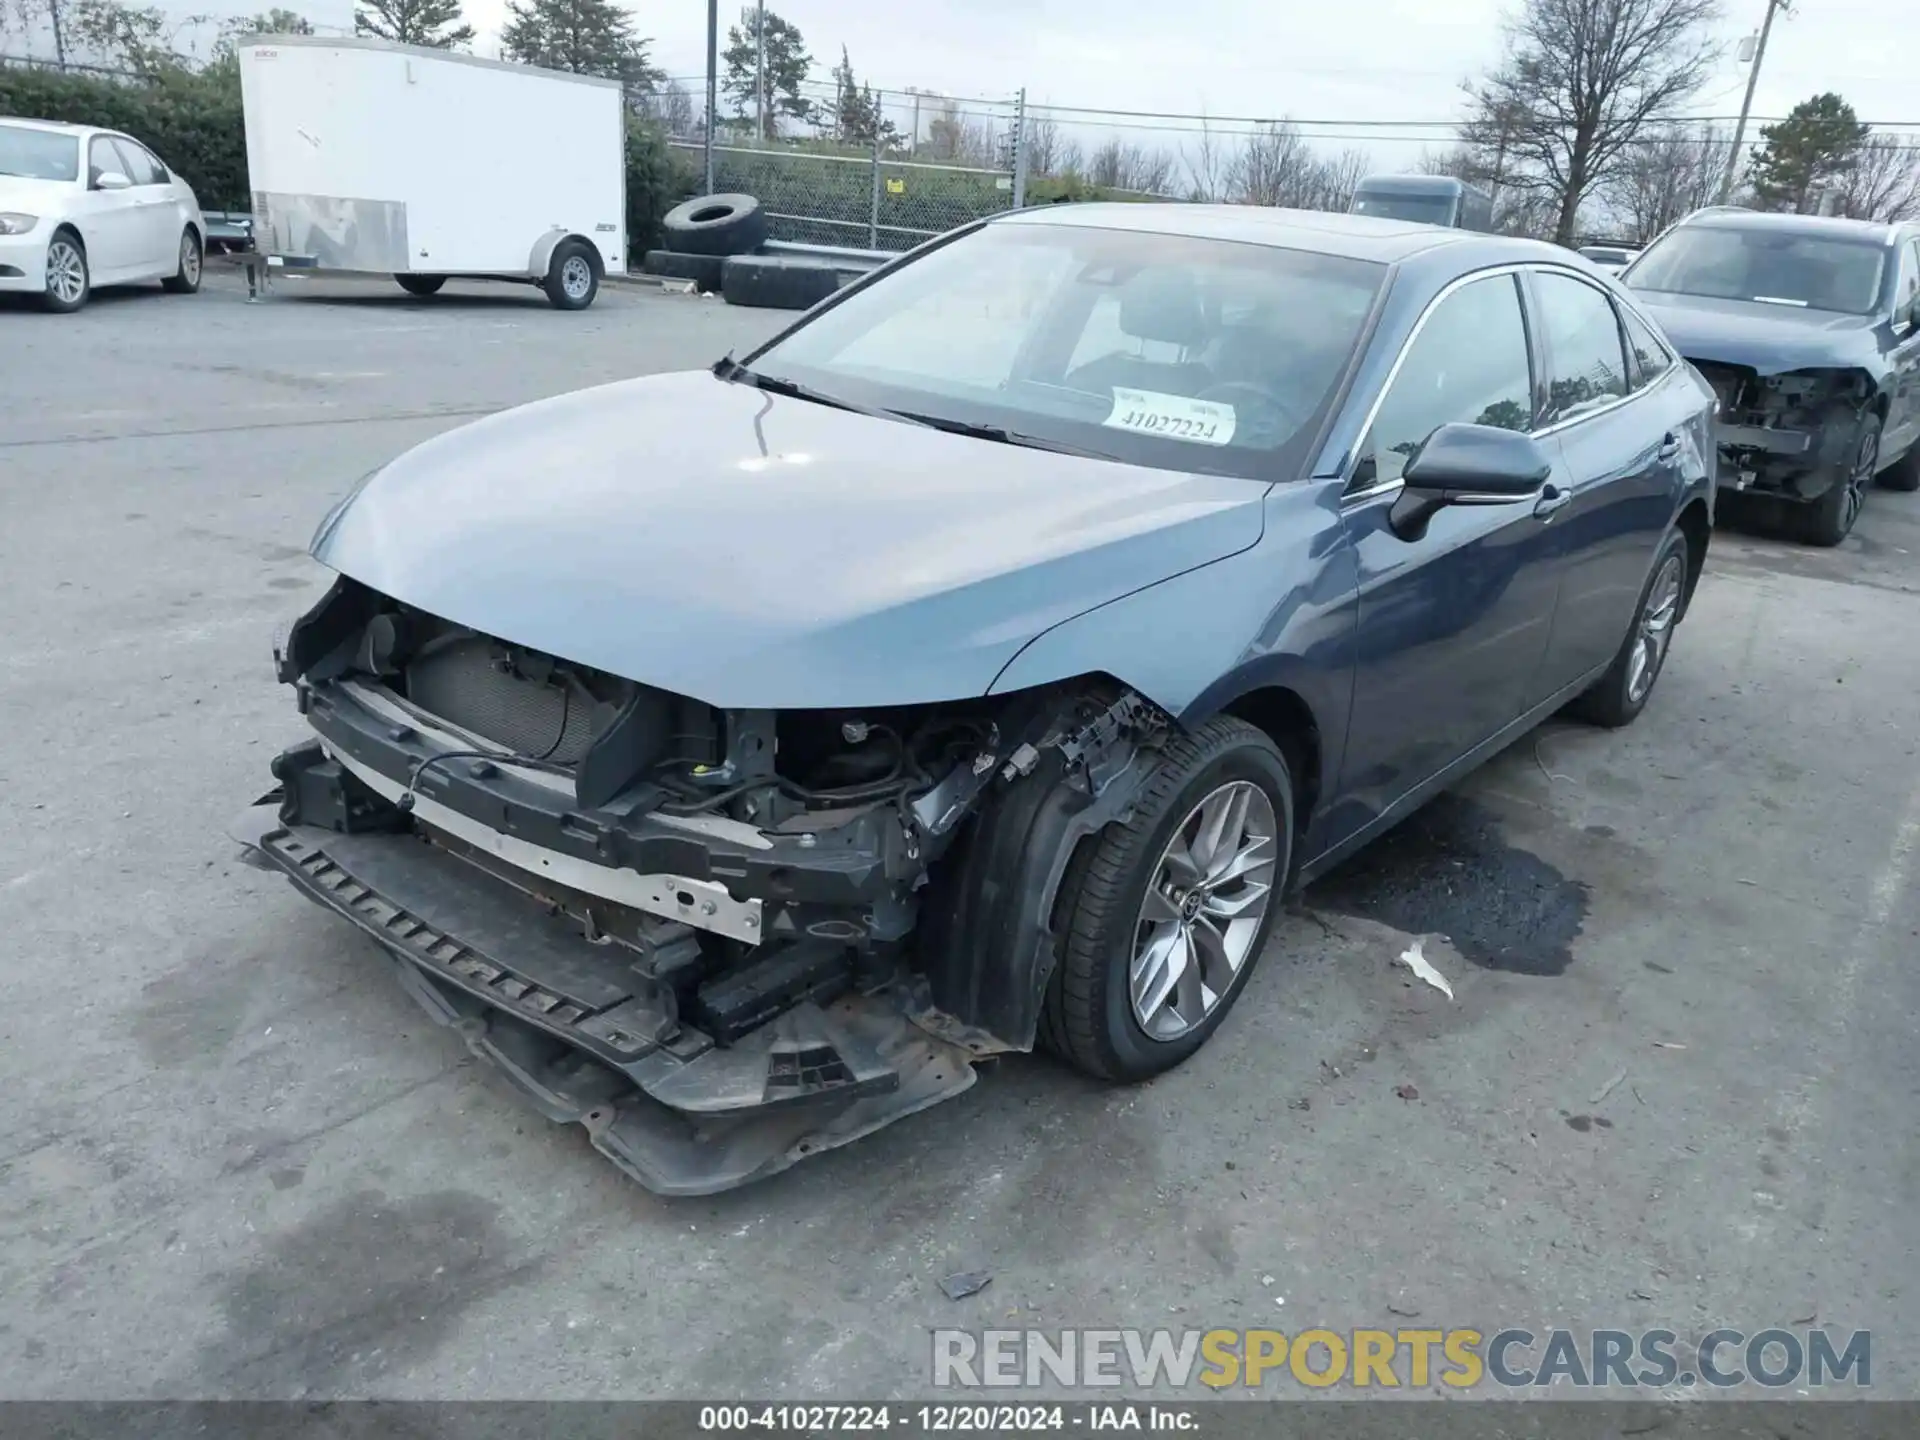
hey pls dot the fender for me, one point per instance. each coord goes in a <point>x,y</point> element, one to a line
<point>540,259</point>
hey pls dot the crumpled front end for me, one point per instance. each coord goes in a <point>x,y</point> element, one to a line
<point>721,940</point>
<point>1790,435</point>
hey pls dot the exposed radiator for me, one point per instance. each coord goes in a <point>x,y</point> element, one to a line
<point>476,684</point>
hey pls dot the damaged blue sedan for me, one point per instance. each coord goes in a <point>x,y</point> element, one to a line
<point>738,757</point>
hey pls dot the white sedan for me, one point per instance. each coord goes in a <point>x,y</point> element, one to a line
<point>81,207</point>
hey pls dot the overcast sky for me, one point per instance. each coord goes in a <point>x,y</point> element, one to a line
<point>1373,59</point>
<point>1377,60</point>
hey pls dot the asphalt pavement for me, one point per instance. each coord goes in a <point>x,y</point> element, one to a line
<point>1675,1087</point>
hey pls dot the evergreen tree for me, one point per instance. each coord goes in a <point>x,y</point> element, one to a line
<point>788,65</point>
<point>587,37</point>
<point>436,23</point>
<point>857,117</point>
<point>1801,156</point>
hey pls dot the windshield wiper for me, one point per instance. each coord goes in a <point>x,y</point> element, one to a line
<point>728,368</point>
<point>1001,435</point>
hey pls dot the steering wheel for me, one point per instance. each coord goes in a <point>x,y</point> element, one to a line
<point>1262,420</point>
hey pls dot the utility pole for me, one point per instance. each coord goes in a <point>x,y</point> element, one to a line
<point>760,72</point>
<point>1746,103</point>
<point>713,79</point>
<point>59,38</point>
<point>1020,149</point>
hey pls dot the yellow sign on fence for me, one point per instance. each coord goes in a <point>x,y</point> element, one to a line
<point>896,187</point>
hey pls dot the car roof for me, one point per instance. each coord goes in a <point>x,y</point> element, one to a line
<point>1359,237</point>
<point>55,127</point>
<point>1832,226</point>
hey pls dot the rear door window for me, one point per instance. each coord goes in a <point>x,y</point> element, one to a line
<point>1648,358</point>
<point>141,167</point>
<point>1587,362</point>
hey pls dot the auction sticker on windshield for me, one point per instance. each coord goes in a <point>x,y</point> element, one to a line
<point>1204,422</point>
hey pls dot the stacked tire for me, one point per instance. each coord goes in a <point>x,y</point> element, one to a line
<point>702,233</point>
<point>715,241</point>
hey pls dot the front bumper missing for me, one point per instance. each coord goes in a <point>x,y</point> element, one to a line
<point>590,1040</point>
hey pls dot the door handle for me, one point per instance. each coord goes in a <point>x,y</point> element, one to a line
<point>1670,447</point>
<point>1552,500</point>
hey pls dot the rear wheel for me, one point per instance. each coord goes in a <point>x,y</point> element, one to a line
<point>1170,908</point>
<point>69,282</point>
<point>1829,520</point>
<point>186,279</point>
<point>421,285</point>
<point>1622,693</point>
<point>573,279</point>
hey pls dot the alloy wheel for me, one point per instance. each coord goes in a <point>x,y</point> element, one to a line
<point>189,259</point>
<point>1864,464</point>
<point>66,272</point>
<point>1655,631</point>
<point>1206,899</point>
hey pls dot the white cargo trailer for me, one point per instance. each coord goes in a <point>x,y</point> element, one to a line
<point>373,158</point>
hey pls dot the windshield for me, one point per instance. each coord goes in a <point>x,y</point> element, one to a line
<point>1813,272</point>
<point>38,154</point>
<point>1424,209</point>
<point>1160,350</point>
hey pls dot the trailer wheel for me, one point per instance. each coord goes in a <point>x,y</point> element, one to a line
<point>573,277</point>
<point>716,225</point>
<point>422,285</point>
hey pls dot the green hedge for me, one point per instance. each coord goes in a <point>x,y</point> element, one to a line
<point>192,120</point>
<point>659,177</point>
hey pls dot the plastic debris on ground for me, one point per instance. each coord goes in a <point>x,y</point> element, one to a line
<point>966,1282</point>
<point>1415,959</point>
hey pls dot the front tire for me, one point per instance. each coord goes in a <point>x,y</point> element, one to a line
<point>1170,908</point>
<point>1622,693</point>
<point>421,285</point>
<point>573,277</point>
<point>186,279</point>
<point>1829,520</point>
<point>69,281</point>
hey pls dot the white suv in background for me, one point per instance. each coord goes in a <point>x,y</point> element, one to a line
<point>81,207</point>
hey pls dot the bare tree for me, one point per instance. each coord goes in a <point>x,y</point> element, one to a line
<point>954,138</point>
<point>1122,165</point>
<point>1884,183</point>
<point>1275,167</point>
<point>670,106</point>
<point>1339,177</point>
<point>1040,135</point>
<point>1206,163</point>
<point>1582,81</point>
<point>1669,175</point>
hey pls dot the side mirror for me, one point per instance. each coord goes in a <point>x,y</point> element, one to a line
<point>1468,465</point>
<point>111,180</point>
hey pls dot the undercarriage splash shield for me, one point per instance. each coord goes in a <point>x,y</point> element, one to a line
<point>592,1042</point>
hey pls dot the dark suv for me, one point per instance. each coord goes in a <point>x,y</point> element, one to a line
<point>1808,329</point>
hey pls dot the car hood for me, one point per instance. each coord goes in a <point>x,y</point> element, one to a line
<point>759,552</point>
<point>34,197</point>
<point>1768,339</point>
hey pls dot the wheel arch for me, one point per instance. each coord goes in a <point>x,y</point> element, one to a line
<point>1283,715</point>
<point>1696,523</point>
<point>541,260</point>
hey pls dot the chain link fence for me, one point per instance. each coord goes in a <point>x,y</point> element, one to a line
<point>875,201</point>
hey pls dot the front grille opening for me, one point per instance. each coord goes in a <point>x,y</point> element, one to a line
<point>533,708</point>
